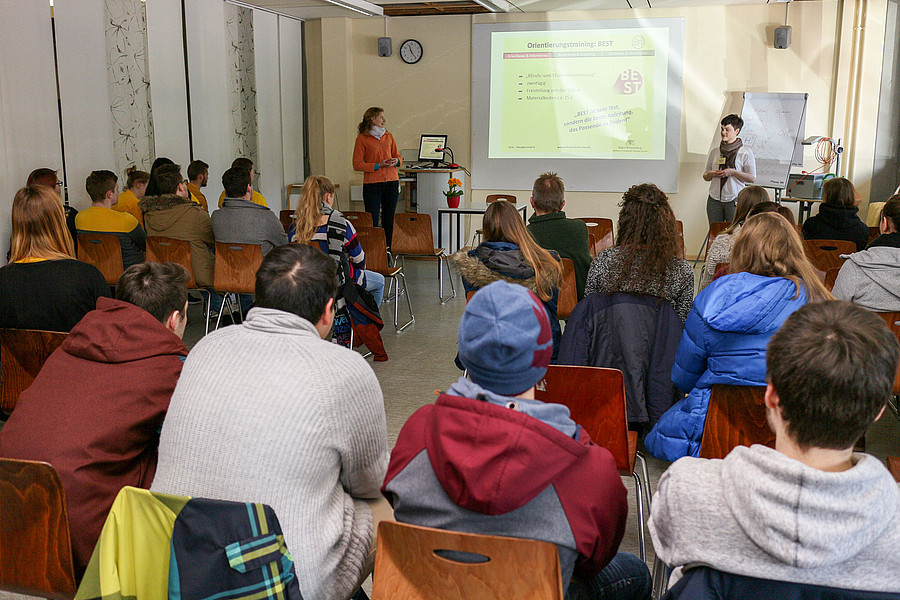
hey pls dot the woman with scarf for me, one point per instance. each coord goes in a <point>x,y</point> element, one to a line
<point>729,168</point>
<point>376,155</point>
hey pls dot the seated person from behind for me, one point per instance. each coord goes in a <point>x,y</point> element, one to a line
<point>240,221</point>
<point>871,278</point>
<point>810,511</point>
<point>95,409</point>
<point>135,184</point>
<point>256,197</point>
<point>488,458</point>
<point>719,250</point>
<point>269,411</point>
<point>101,218</point>
<point>48,177</point>
<point>43,286</point>
<point>837,218</point>
<point>172,214</point>
<point>198,177</point>
<point>553,231</point>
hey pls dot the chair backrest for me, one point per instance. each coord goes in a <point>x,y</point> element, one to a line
<point>469,295</point>
<point>874,232</point>
<point>412,235</point>
<point>568,292</point>
<point>408,566</point>
<point>236,266</point>
<point>602,231</point>
<point>374,246</point>
<point>826,254</point>
<point>892,319</point>
<point>679,232</point>
<point>893,465</point>
<point>22,354</point>
<point>736,417</point>
<point>164,249</point>
<point>286,217</point>
<point>715,229</point>
<point>596,401</point>
<point>359,218</point>
<point>35,549</point>
<point>494,197</point>
<point>104,251</point>
<point>831,277</point>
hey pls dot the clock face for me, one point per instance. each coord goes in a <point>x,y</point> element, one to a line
<point>411,51</point>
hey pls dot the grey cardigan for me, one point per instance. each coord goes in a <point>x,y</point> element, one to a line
<point>243,222</point>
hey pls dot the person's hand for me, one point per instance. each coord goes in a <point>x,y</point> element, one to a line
<point>712,174</point>
<point>389,162</point>
<point>728,172</point>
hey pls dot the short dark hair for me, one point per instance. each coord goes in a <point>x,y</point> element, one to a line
<point>158,288</point>
<point>734,120</point>
<point>833,366</point>
<point>98,183</point>
<point>839,191</point>
<point>235,181</point>
<point>298,279</point>
<point>167,179</point>
<point>244,163</point>
<point>43,176</point>
<point>548,192</point>
<point>196,169</point>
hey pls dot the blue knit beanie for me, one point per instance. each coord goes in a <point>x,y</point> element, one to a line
<point>505,341</point>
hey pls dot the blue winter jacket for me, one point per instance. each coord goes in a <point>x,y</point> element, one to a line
<point>724,341</point>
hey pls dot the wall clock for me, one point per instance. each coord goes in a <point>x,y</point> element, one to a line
<point>411,51</point>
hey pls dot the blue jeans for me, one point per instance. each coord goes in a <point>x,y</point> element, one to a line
<point>375,285</point>
<point>626,577</point>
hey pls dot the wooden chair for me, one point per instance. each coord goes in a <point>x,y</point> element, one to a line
<point>826,254</point>
<point>235,271</point>
<point>831,277</point>
<point>22,354</point>
<point>413,237</point>
<point>893,465</point>
<point>715,229</point>
<point>892,319</point>
<point>874,232</point>
<point>287,218</point>
<point>35,549</point>
<point>359,218</point>
<point>736,417</point>
<point>494,197</point>
<point>408,565</point>
<point>596,401</point>
<point>104,251</point>
<point>568,292</point>
<point>164,249</point>
<point>602,231</point>
<point>679,230</point>
<point>374,246</point>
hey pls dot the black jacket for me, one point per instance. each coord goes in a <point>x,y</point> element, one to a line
<point>891,240</point>
<point>837,223</point>
<point>638,335</point>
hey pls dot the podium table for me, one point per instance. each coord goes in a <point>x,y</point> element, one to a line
<point>430,185</point>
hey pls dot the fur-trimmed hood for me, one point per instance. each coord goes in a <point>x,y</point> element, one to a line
<point>164,202</point>
<point>493,261</point>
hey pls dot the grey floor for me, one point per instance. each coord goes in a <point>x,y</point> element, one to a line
<point>421,363</point>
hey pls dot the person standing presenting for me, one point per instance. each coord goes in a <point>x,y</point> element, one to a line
<point>376,155</point>
<point>729,168</point>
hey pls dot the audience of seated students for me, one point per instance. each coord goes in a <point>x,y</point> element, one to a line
<point>95,409</point>
<point>268,411</point>
<point>172,214</point>
<point>644,260</point>
<point>198,177</point>
<point>719,250</point>
<point>726,333</point>
<point>837,218</point>
<point>488,458</point>
<point>43,286</point>
<point>49,178</point>
<point>241,221</point>
<point>103,188</point>
<point>871,278</point>
<point>509,253</point>
<point>553,231</point>
<point>152,190</point>
<point>810,511</point>
<point>136,184</point>
<point>256,198</point>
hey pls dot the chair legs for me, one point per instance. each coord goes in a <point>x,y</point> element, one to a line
<point>446,262</point>
<point>639,500</point>
<point>660,576</point>
<point>412,317</point>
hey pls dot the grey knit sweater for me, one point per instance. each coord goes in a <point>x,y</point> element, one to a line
<point>761,514</point>
<point>243,222</point>
<point>269,412</point>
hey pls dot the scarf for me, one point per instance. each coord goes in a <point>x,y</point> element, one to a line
<point>377,131</point>
<point>729,151</point>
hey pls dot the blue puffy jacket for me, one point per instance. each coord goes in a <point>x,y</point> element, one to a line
<point>724,341</point>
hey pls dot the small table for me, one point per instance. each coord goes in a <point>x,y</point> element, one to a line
<point>806,205</point>
<point>469,208</point>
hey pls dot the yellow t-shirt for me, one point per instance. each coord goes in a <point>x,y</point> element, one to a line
<point>128,203</point>
<point>256,199</point>
<point>197,196</point>
<point>103,220</point>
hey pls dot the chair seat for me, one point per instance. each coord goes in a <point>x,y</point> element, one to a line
<point>390,272</point>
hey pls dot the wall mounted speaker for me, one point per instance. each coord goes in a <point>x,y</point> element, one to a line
<point>384,46</point>
<point>782,37</point>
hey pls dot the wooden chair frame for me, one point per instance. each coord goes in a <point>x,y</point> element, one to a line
<point>736,417</point>
<point>287,218</point>
<point>235,272</point>
<point>372,240</point>
<point>714,230</point>
<point>892,320</point>
<point>568,290</point>
<point>104,251</point>
<point>22,354</point>
<point>359,218</point>
<point>600,233</point>
<point>415,229</point>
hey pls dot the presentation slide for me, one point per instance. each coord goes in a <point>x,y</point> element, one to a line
<point>598,93</point>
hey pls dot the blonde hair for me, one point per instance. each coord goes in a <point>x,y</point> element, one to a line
<point>309,207</point>
<point>502,223</point>
<point>769,245</point>
<point>746,199</point>
<point>39,225</point>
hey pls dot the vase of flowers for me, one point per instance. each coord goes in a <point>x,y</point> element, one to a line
<point>453,192</point>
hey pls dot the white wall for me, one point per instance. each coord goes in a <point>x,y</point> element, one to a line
<point>270,165</point>
<point>291,42</point>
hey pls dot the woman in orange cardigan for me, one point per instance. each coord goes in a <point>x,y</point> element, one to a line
<point>376,155</point>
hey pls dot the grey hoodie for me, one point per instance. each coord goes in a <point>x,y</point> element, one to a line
<point>761,514</point>
<point>871,279</point>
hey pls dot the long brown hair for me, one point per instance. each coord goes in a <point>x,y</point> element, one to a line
<point>502,223</point>
<point>309,207</point>
<point>646,236</point>
<point>39,225</point>
<point>770,246</point>
<point>746,199</point>
<point>369,116</point>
